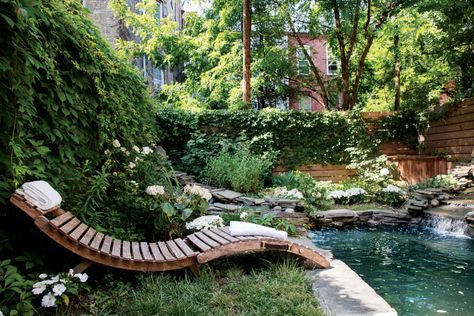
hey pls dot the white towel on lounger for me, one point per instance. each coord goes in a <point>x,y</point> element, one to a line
<point>248,229</point>
<point>41,194</point>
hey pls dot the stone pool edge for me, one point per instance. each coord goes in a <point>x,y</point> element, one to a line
<point>341,291</point>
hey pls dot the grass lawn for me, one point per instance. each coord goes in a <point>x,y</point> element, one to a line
<point>273,284</point>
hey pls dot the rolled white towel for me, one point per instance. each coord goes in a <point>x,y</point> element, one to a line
<point>247,229</point>
<point>41,194</point>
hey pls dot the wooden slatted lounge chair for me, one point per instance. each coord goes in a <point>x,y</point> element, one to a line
<point>198,248</point>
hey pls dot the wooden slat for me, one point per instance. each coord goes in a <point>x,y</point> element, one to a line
<point>175,249</point>
<point>69,226</point>
<point>126,254</point>
<point>116,248</point>
<point>451,135</point>
<point>97,241</point>
<point>77,233</point>
<point>224,234</point>
<point>86,239</point>
<point>165,251</point>
<point>156,252</point>
<point>61,219</point>
<point>146,251</point>
<point>185,248</point>
<point>136,251</point>
<point>105,249</point>
<point>206,239</point>
<point>198,243</point>
<point>215,237</point>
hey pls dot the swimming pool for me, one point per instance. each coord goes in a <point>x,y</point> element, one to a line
<point>416,270</point>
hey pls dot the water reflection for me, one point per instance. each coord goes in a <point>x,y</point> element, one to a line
<point>418,271</point>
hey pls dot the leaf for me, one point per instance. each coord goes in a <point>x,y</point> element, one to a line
<point>186,213</point>
<point>168,209</point>
<point>65,299</point>
<point>42,150</point>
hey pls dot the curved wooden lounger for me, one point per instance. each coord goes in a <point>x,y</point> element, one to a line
<point>201,247</point>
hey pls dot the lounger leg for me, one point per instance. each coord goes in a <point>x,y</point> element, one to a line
<point>194,269</point>
<point>82,266</point>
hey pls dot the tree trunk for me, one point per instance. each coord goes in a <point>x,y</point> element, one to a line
<point>247,22</point>
<point>396,54</point>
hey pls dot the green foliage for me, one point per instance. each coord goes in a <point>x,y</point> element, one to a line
<point>315,193</point>
<point>297,137</point>
<point>239,170</point>
<point>15,291</point>
<point>64,95</point>
<point>394,199</point>
<point>442,181</point>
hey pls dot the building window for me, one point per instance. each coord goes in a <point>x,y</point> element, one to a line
<point>157,78</point>
<point>303,62</point>
<point>304,103</point>
<point>332,63</point>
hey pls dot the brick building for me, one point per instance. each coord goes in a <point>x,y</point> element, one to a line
<point>113,29</point>
<point>317,48</point>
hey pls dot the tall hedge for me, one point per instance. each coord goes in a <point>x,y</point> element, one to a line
<point>64,95</point>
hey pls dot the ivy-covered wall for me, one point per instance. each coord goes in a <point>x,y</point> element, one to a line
<point>297,137</point>
<point>64,96</point>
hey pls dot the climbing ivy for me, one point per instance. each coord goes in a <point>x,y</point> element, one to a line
<point>64,95</point>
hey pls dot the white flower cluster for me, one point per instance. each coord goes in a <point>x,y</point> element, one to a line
<point>155,190</point>
<point>384,172</point>
<point>56,285</point>
<point>205,222</point>
<point>339,194</point>
<point>282,192</point>
<point>197,190</point>
<point>1,313</point>
<point>244,215</point>
<point>392,189</point>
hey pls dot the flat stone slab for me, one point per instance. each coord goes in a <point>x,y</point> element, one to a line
<point>338,213</point>
<point>227,194</point>
<point>340,291</point>
<point>228,207</point>
<point>394,214</point>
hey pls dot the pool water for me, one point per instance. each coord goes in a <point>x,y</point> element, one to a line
<point>416,270</point>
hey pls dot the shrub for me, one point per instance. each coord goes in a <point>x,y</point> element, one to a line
<point>349,196</point>
<point>392,195</point>
<point>315,193</point>
<point>442,181</point>
<point>241,170</point>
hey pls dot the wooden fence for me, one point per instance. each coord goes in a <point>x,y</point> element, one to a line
<point>454,134</point>
<point>415,168</point>
<point>335,173</point>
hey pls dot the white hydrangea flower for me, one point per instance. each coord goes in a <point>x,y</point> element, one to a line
<point>83,277</point>
<point>116,143</point>
<point>146,150</point>
<point>338,194</point>
<point>295,193</point>
<point>384,172</point>
<point>205,222</point>
<point>138,159</point>
<point>136,148</point>
<point>43,276</point>
<point>155,190</point>
<point>134,183</point>
<point>355,192</point>
<point>279,191</point>
<point>392,189</point>
<point>38,288</point>
<point>107,152</point>
<point>132,165</point>
<point>244,215</point>
<point>1,313</point>
<point>59,289</point>
<point>70,273</point>
<point>48,300</point>
<point>197,190</point>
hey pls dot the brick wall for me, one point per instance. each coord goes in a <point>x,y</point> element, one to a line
<point>454,134</point>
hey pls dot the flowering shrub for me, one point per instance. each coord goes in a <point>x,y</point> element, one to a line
<point>53,288</point>
<point>284,193</point>
<point>349,196</point>
<point>205,222</point>
<point>392,195</point>
<point>315,193</point>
